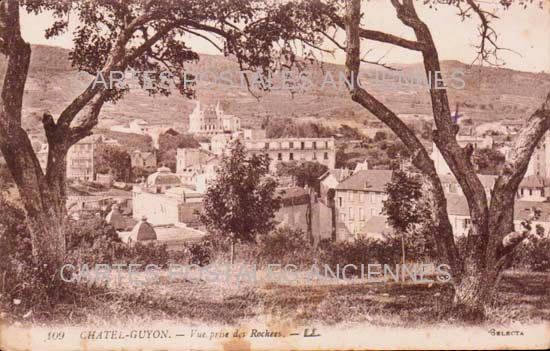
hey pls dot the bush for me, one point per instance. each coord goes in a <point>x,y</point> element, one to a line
<point>285,246</point>
<point>24,285</point>
<point>200,253</point>
<point>360,251</point>
<point>533,255</point>
<point>282,246</point>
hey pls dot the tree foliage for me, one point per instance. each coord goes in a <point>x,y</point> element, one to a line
<point>241,203</point>
<point>488,161</point>
<point>286,127</point>
<point>168,145</point>
<point>409,214</point>
<point>115,161</point>
<point>305,173</point>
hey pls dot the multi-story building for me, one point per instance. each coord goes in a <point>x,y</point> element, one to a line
<point>212,121</point>
<point>196,167</point>
<point>80,159</point>
<point>328,182</point>
<point>539,164</point>
<point>358,199</point>
<point>320,150</point>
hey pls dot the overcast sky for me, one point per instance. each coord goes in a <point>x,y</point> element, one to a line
<point>525,31</point>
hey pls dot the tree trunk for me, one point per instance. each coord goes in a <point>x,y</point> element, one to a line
<point>42,196</point>
<point>403,247</point>
<point>232,251</point>
<point>472,294</point>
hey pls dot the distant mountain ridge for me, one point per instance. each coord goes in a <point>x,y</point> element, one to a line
<point>490,93</point>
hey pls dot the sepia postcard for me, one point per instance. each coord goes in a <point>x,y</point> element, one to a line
<point>274,175</point>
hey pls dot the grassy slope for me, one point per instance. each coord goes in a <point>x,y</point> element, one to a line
<point>523,298</point>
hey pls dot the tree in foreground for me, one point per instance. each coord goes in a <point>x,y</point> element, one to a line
<point>409,214</point>
<point>242,201</point>
<point>492,239</point>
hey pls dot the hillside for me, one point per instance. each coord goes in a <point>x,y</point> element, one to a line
<point>490,94</point>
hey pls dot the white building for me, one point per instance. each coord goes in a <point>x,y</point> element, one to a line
<point>320,150</point>
<point>539,164</point>
<point>80,158</point>
<point>212,120</point>
<point>176,206</point>
<point>196,167</point>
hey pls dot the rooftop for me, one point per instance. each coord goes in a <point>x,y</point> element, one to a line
<point>367,180</point>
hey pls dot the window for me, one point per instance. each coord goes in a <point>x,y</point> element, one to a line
<point>279,156</point>
<point>291,145</point>
<point>372,197</point>
<point>340,201</point>
<point>362,197</point>
<point>342,216</point>
<point>302,145</point>
<point>530,192</point>
<point>266,146</point>
<point>326,144</point>
<point>315,145</point>
<point>326,156</point>
<point>351,213</point>
<point>291,156</point>
<point>361,214</point>
<point>350,196</point>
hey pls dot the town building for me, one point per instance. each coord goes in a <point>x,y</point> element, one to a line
<point>328,182</point>
<point>212,120</point>
<point>459,215</point>
<point>321,150</point>
<point>196,167</point>
<point>162,180</point>
<point>176,205</point>
<point>358,199</point>
<point>534,188</point>
<point>539,164</point>
<point>80,157</point>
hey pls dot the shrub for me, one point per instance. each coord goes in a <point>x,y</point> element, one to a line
<point>200,253</point>
<point>533,255</point>
<point>285,246</point>
<point>24,285</point>
<point>360,251</point>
